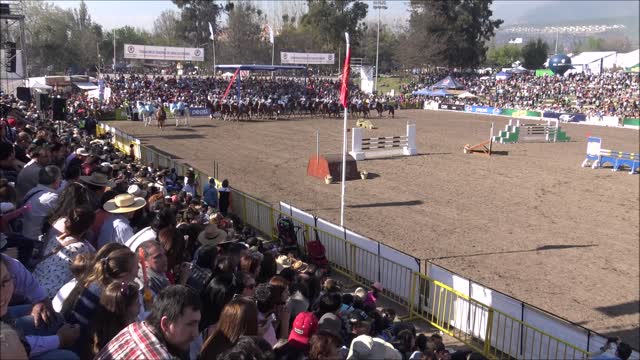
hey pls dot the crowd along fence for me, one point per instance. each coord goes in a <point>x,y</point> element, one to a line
<point>493,323</point>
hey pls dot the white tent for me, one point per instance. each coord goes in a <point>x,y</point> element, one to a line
<point>227,75</point>
<point>628,59</point>
<point>593,61</point>
<point>466,94</point>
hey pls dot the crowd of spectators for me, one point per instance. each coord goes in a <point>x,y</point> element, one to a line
<point>606,94</point>
<point>108,258</point>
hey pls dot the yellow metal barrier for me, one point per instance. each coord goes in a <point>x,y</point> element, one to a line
<point>487,330</point>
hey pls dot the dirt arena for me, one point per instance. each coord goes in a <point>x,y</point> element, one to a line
<point>529,221</point>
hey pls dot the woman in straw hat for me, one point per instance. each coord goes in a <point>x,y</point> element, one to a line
<point>116,226</point>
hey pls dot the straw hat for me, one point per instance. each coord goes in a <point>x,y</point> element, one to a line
<point>283,262</point>
<point>300,266</point>
<point>124,203</point>
<point>97,179</point>
<point>360,292</point>
<point>82,152</point>
<point>212,235</point>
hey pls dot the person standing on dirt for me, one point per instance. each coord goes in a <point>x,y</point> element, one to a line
<point>225,197</point>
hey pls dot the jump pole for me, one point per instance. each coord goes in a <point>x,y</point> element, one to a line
<point>481,147</point>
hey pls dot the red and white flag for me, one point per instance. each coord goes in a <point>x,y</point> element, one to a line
<point>344,89</point>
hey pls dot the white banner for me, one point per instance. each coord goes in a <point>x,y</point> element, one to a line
<point>366,79</point>
<point>307,58</point>
<point>163,53</point>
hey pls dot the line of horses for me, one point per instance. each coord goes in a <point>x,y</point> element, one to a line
<point>260,110</point>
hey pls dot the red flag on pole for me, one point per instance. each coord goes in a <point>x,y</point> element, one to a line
<point>344,89</point>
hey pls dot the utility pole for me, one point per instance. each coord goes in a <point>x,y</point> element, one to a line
<point>379,5</point>
<point>114,51</point>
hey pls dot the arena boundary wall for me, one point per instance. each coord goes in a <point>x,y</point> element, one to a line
<point>495,324</point>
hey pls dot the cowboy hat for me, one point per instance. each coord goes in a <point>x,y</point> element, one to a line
<point>300,266</point>
<point>136,191</point>
<point>283,262</point>
<point>212,235</point>
<point>82,152</point>
<point>124,203</point>
<point>97,179</point>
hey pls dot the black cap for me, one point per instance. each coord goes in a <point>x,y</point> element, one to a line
<point>357,316</point>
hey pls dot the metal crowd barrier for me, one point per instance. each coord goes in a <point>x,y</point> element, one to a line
<point>483,328</point>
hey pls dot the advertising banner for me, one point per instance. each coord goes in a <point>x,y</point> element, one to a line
<point>199,111</point>
<point>482,110</point>
<point>307,58</point>
<point>132,51</point>
<point>454,107</point>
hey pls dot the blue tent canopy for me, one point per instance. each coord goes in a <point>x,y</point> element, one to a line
<point>448,83</point>
<point>503,75</point>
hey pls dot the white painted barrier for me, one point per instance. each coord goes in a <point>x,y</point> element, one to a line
<point>381,147</point>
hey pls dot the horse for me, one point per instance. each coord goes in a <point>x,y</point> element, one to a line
<point>180,109</point>
<point>353,110</point>
<point>161,116</point>
<point>364,110</point>
<point>147,112</point>
<point>386,107</point>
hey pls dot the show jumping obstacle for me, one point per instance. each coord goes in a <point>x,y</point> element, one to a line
<point>596,157</point>
<point>382,147</point>
<point>484,147</point>
<point>517,132</point>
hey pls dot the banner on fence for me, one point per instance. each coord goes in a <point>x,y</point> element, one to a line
<point>564,117</point>
<point>132,51</point>
<point>455,107</point>
<point>199,111</point>
<point>307,58</point>
<point>482,110</point>
<point>631,122</point>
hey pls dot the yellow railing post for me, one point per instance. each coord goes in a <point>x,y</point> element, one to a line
<point>271,222</point>
<point>244,209</point>
<point>413,295</point>
<point>306,237</point>
<point>488,333</point>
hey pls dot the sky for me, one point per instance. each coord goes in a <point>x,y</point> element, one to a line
<point>112,14</point>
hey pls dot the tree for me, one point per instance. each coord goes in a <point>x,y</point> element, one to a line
<point>449,32</point>
<point>195,17</point>
<point>503,56</point>
<point>534,54</point>
<point>245,40</point>
<point>328,20</point>
<point>124,35</point>
<point>165,28</point>
<point>388,43</point>
<point>47,30</point>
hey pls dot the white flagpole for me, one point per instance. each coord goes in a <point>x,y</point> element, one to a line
<point>344,155</point>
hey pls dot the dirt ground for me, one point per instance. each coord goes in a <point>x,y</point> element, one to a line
<point>529,222</point>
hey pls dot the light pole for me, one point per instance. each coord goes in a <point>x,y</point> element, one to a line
<point>379,5</point>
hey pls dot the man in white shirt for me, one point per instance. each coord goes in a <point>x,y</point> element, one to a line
<point>42,199</point>
<point>116,227</point>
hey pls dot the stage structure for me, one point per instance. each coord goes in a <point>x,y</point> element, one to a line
<point>270,68</point>
<point>13,62</point>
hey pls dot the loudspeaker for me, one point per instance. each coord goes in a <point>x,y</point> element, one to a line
<point>23,93</point>
<point>10,51</point>
<point>59,108</point>
<point>42,102</point>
